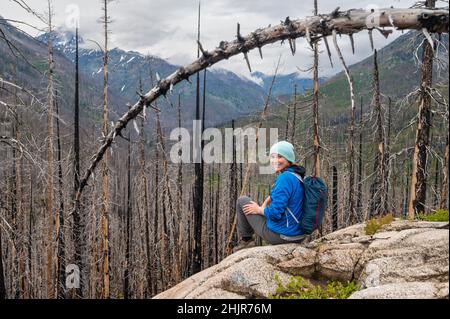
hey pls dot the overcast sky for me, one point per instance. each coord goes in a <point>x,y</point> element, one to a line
<point>167,28</point>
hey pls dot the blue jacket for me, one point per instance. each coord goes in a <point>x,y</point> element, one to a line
<point>287,192</point>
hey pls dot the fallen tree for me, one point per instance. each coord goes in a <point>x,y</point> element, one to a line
<point>312,28</point>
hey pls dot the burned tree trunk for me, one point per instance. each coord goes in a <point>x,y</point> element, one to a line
<point>2,273</point>
<point>406,191</point>
<point>390,202</point>
<point>60,242</point>
<point>378,189</point>
<point>316,160</point>
<point>444,196</point>
<point>105,170</point>
<point>198,182</point>
<point>216,219</point>
<point>287,132</point>
<point>156,223</point>
<point>20,217</point>
<point>419,172</point>
<point>50,162</point>
<point>145,208</point>
<point>294,116</point>
<point>128,231</point>
<point>233,195</point>
<point>359,206</point>
<point>76,230</point>
<point>334,206</point>
<point>351,150</point>
<point>181,225</point>
<point>436,184</point>
<point>180,166</point>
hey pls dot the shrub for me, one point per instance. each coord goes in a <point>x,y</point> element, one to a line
<point>301,288</point>
<point>374,224</point>
<point>441,215</point>
<point>372,227</point>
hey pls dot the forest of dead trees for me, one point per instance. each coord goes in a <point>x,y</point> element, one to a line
<point>138,224</point>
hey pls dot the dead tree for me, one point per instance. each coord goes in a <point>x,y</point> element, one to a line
<point>344,22</point>
<point>334,206</point>
<point>359,206</point>
<point>444,196</point>
<point>436,183</point>
<point>287,132</point>
<point>419,171</point>
<point>60,242</point>
<point>105,170</point>
<point>378,188</point>
<point>128,231</point>
<point>180,166</point>
<point>181,227</point>
<point>19,223</point>
<point>315,104</point>
<point>2,272</point>
<point>294,116</point>
<point>198,181</point>
<point>145,203</point>
<point>233,193</point>
<point>156,223</point>
<point>202,144</point>
<point>167,234</point>
<point>351,150</point>
<point>406,191</point>
<point>216,219</point>
<point>50,163</point>
<point>76,229</point>
<point>389,202</point>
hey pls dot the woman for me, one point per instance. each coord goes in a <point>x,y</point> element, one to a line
<point>276,220</point>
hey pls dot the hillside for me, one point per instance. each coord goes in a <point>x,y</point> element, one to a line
<point>228,95</point>
<point>399,73</point>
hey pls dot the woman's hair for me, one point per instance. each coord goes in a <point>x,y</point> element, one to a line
<point>298,169</point>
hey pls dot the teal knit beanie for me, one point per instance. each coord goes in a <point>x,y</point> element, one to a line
<point>284,149</point>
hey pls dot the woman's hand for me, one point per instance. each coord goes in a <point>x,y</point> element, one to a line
<point>266,202</point>
<point>253,209</point>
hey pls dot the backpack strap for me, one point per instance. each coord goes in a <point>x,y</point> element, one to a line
<point>298,176</point>
<point>288,209</point>
<point>292,214</point>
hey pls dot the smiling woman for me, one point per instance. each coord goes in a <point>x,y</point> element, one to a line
<point>278,217</point>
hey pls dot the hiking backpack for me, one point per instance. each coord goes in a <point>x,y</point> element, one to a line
<point>315,202</point>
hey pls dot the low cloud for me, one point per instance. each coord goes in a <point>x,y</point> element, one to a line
<point>167,28</point>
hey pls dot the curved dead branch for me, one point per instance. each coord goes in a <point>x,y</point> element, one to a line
<point>314,28</point>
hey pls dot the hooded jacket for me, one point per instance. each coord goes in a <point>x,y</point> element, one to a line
<point>287,192</point>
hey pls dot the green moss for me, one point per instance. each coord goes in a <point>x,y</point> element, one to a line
<point>440,215</point>
<point>374,224</point>
<point>301,288</point>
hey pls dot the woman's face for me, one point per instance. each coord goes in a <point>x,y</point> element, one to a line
<point>278,162</point>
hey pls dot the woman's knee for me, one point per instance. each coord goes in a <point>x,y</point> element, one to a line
<point>243,200</point>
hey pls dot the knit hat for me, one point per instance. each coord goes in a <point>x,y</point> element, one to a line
<point>284,149</point>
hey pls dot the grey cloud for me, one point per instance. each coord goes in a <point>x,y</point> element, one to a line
<point>167,28</point>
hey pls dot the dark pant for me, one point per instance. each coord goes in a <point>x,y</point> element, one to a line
<point>247,225</point>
